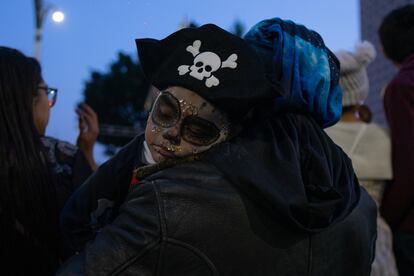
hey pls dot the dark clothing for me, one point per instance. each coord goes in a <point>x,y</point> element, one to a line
<point>68,165</point>
<point>96,202</point>
<point>22,252</point>
<point>398,202</point>
<point>69,169</point>
<point>280,199</point>
<point>403,250</point>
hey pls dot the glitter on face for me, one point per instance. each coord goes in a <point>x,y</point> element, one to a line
<point>195,123</point>
<point>172,148</point>
<point>155,129</point>
<point>188,108</point>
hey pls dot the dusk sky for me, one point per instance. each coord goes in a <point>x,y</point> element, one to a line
<point>94,31</point>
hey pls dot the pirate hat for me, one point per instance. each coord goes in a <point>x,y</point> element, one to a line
<point>219,66</point>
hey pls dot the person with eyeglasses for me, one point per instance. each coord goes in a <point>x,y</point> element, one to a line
<point>222,183</point>
<point>37,173</point>
<point>44,99</point>
<point>88,121</point>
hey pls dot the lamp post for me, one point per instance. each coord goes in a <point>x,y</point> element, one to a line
<point>41,12</point>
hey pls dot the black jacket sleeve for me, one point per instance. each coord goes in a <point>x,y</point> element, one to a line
<point>93,203</point>
<point>132,238</point>
<point>81,170</point>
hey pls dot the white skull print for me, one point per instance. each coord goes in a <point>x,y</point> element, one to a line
<point>205,64</point>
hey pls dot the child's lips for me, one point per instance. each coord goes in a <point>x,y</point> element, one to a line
<point>163,151</point>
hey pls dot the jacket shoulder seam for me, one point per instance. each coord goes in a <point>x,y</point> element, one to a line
<point>196,252</point>
<point>150,246</point>
<point>163,226</point>
<point>134,258</point>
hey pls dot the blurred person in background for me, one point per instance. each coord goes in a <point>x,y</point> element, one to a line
<point>366,143</point>
<point>37,173</point>
<point>396,34</point>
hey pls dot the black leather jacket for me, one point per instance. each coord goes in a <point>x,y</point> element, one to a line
<point>285,202</point>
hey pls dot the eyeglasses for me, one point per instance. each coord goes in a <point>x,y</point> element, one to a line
<point>51,94</point>
<point>195,130</point>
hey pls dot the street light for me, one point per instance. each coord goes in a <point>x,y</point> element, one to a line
<point>58,16</point>
<point>41,12</point>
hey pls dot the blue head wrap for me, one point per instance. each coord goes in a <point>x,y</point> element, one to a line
<point>297,58</point>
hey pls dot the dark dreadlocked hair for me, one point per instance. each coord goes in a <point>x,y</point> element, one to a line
<point>27,191</point>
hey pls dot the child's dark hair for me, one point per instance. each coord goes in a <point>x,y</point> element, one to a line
<point>397,33</point>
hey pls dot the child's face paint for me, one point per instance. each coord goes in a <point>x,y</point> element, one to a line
<point>182,123</point>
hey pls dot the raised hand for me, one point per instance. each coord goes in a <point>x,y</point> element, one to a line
<point>88,132</point>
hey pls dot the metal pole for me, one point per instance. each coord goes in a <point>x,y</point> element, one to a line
<point>38,38</point>
<point>39,14</point>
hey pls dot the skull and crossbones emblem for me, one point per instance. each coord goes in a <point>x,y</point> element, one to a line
<point>205,64</point>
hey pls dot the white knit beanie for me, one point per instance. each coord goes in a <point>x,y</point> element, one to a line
<point>354,78</point>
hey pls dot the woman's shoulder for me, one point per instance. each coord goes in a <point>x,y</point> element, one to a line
<point>53,144</point>
<point>60,155</point>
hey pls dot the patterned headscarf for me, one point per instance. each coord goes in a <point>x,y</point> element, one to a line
<point>308,71</point>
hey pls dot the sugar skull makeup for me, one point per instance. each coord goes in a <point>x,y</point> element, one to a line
<point>183,123</point>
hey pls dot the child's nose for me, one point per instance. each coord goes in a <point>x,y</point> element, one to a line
<point>172,134</point>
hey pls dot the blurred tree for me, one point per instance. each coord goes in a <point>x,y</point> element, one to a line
<point>238,28</point>
<point>118,98</point>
